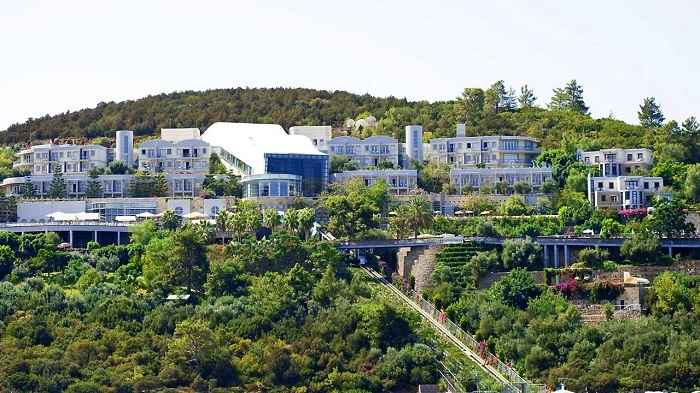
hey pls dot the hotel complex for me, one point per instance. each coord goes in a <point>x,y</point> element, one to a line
<point>277,168</point>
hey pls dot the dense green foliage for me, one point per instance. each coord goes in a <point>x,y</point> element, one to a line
<point>277,314</point>
<point>542,334</point>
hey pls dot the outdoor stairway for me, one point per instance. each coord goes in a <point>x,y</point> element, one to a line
<point>595,313</point>
<point>509,379</point>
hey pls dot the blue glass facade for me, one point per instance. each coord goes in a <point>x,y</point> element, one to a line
<point>312,168</point>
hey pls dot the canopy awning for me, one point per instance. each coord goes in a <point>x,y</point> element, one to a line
<point>125,218</point>
<point>195,216</point>
<point>145,215</point>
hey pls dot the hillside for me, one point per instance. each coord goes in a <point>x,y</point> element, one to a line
<point>300,106</point>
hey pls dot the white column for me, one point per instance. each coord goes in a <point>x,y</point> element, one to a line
<point>70,237</point>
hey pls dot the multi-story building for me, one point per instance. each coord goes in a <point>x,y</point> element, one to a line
<point>185,156</point>
<point>319,135</point>
<point>70,159</point>
<point>265,151</point>
<point>623,192</point>
<point>617,162</point>
<point>464,179</point>
<point>489,151</point>
<point>399,181</point>
<point>367,153</point>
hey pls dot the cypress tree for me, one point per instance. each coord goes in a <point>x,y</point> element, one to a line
<point>57,189</point>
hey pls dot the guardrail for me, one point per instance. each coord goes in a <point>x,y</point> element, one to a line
<point>64,223</point>
<point>509,377</point>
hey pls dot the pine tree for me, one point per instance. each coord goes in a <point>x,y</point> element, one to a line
<point>527,97</point>
<point>650,114</point>
<point>691,126</point>
<point>94,187</point>
<point>160,185</point>
<point>470,106</point>
<point>28,190</point>
<point>569,98</point>
<point>141,185</point>
<point>497,99</point>
<point>57,189</point>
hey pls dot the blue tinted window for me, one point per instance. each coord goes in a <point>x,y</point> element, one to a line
<point>312,168</point>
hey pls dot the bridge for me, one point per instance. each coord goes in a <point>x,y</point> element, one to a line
<point>556,249</point>
<point>77,234</point>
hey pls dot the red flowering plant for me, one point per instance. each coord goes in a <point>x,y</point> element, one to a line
<point>568,287</point>
<point>633,214</point>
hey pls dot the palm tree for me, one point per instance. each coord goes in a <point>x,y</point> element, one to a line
<point>305,220</point>
<point>223,223</point>
<point>419,211</point>
<point>271,218</point>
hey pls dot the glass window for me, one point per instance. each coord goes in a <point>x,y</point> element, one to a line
<point>178,210</point>
<point>214,210</point>
<point>611,185</point>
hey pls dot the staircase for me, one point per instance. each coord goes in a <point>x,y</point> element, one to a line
<point>456,257</point>
<point>595,313</point>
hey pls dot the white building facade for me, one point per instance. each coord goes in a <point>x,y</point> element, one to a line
<point>366,153</point>
<point>399,181</point>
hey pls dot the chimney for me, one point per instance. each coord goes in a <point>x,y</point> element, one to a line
<point>461,130</point>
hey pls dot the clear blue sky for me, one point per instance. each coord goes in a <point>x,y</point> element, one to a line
<point>60,55</point>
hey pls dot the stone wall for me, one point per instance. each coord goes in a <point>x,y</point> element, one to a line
<point>651,271</point>
<point>418,262</point>
<point>489,279</point>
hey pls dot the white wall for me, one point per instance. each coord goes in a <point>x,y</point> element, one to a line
<point>185,204</point>
<point>37,210</point>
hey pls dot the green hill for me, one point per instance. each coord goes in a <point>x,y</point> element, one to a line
<point>300,106</point>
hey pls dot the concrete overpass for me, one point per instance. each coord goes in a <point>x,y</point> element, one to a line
<point>78,234</point>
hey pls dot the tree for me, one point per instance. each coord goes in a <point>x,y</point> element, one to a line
<point>433,175</point>
<point>641,247</point>
<point>57,189</point>
<point>170,221</point>
<point>593,257</point>
<point>498,99</point>
<point>7,260</point>
<point>141,185</point>
<point>399,222</point>
<point>527,97</point>
<point>94,187</point>
<point>216,167</point>
<point>28,190</point>
<point>514,206</point>
<point>117,168</point>
<point>690,126</point>
<point>420,213</point>
<point>569,98</point>
<point>650,114</point>
<point>354,208</point>
<point>515,289</point>
<point>188,266</point>
<point>271,218</point>
<point>669,219</point>
<point>469,107</point>
<point>522,187</point>
<point>160,185</point>
<point>692,183</point>
<point>525,253</point>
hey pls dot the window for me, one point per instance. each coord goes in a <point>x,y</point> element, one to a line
<point>214,210</point>
<point>92,153</point>
<point>611,185</point>
<point>656,184</point>
<point>639,156</point>
<point>469,145</point>
<point>629,157</point>
<point>603,198</point>
<point>169,151</point>
<point>143,152</point>
<point>613,198</point>
<point>596,159</point>
<point>628,169</point>
<point>587,160</point>
<point>178,210</point>
<point>646,185</point>
<point>510,144</point>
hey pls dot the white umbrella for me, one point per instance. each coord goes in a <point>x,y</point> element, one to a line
<point>125,218</point>
<point>195,215</point>
<point>88,216</point>
<point>60,216</point>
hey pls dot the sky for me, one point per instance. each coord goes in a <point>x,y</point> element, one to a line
<point>68,55</point>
